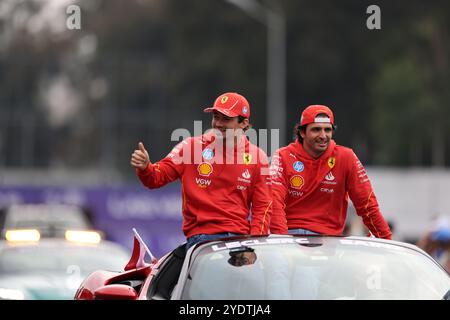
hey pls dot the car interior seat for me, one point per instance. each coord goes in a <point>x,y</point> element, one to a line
<point>166,279</point>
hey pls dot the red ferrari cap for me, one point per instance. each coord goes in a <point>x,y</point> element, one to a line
<point>309,115</point>
<point>231,104</point>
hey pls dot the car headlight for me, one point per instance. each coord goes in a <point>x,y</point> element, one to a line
<point>92,237</point>
<point>11,294</point>
<point>24,235</point>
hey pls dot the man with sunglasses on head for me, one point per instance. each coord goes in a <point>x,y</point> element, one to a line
<point>312,179</point>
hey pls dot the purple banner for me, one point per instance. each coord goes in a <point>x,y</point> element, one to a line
<point>156,214</point>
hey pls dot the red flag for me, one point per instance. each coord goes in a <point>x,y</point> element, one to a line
<point>139,250</point>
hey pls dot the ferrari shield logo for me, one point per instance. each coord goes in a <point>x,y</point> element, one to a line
<point>247,158</point>
<point>331,162</point>
<point>224,99</point>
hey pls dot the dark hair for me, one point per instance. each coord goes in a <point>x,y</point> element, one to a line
<point>239,258</point>
<point>241,119</point>
<point>297,129</point>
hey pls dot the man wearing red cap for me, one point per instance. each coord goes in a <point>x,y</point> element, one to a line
<point>222,175</point>
<point>312,179</point>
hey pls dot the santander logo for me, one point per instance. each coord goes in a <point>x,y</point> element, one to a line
<point>246,174</point>
<point>329,176</point>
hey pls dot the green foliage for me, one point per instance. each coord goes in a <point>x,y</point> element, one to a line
<point>156,64</point>
<point>410,96</point>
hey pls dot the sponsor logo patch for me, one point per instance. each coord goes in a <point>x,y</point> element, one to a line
<point>208,154</point>
<point>247,158</point>
<point>204,169</point>
<point>329,176</point>
<point>298,166</point>
<point>244,180</point>
<point>326,190</point>
<point>295,193</point>
<point>331,162</point>
<point>297,182</point>
<point>203,183</point>
<point>224,99</point>
<point>246,174</point>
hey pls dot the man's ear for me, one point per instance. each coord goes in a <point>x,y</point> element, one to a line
<point>302,133</point>
<point>244,123</point>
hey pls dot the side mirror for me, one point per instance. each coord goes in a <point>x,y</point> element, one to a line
<point>115,292</point>
<point>447,295</point>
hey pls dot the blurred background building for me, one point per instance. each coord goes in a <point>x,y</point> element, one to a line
<point>75,103</point>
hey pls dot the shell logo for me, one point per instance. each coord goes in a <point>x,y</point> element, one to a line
<point>204,169</point>
<point>224,99</point>
<point>297,182</point>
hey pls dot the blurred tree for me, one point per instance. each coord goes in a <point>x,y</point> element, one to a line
<point>139,69</point>
<point>410,92</point>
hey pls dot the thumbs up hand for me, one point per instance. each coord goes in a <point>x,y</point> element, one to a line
<point>140,158</point>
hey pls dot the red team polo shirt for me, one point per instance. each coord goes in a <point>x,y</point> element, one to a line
<point>313,193</point>
<point>217,196</point>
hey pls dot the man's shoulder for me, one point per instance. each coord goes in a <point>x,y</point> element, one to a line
<point>254,148</point>
<point>347,155</point>
<point>344,151</point>
<point>194,140</point>
<point>285,151</point>
<point>184,143</point>
<point>258,153</point>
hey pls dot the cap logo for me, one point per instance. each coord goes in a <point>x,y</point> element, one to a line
<point>244,110</point>
<point>224,99</point>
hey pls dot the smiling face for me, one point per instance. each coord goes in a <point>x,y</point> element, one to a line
<point>222,122</point>
<point>316,138</point>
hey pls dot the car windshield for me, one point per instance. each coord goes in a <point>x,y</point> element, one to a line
<point>61,259</point>
<point>322,269</point>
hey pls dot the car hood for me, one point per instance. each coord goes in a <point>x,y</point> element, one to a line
<point>42,286</point>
